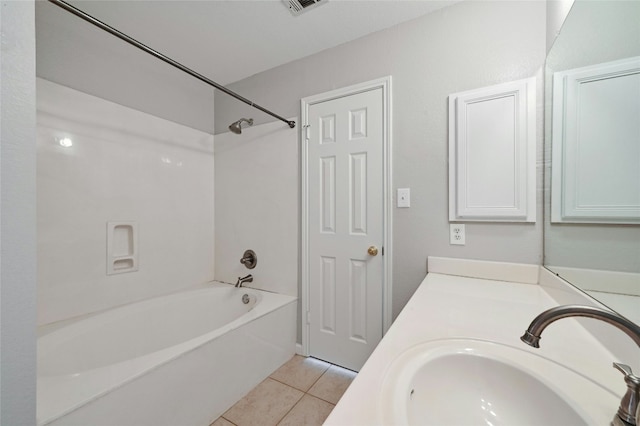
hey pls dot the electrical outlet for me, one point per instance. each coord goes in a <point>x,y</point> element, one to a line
<point>456,234</point>
<point>404,197</point>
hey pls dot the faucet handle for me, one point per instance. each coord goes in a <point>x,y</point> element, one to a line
<point>249,259</point>
<point>623,368</point>
<point>630,405</point>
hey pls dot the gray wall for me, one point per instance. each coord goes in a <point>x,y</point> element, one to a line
<point>466,46</point>
<point>557,11</point>
<point>17,215</point>
<point>73,53</point>
<point>594,32</point>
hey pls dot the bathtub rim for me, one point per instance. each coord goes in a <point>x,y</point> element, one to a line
<point>48,328</point>
<point>154,360</point>
<point>72,330</point>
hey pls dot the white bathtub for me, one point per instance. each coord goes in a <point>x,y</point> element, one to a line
<point>181,359</point>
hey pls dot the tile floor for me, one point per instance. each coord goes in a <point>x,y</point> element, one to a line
<point>301,392</point>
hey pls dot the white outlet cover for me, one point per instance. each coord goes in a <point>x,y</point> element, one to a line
<point>457,234</point>
<point>404,197</point>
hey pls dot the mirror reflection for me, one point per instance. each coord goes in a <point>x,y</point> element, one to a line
<point>592,153</point>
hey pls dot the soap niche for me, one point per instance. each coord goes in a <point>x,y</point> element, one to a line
<point>122,247</point>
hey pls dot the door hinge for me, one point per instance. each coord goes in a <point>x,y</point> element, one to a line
<point>308,317</point>
<point>382,251</point>
<point>307,132</point>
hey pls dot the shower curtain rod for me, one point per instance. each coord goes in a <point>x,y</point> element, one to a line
<point>79,13</point>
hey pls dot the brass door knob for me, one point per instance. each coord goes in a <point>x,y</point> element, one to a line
<point>373,251</point>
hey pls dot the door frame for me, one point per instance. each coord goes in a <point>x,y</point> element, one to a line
<point>383,83</point>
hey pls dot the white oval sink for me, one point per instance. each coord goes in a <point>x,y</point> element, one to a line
<point>473,382</point>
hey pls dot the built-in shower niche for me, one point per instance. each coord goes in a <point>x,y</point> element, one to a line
<point>122,247</point>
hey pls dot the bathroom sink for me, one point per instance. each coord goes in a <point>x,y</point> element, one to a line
<point>473,382</point>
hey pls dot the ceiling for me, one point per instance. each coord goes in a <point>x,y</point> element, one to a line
<point>228,41</point>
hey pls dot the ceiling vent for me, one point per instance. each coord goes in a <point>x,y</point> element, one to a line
<point>298,6</point>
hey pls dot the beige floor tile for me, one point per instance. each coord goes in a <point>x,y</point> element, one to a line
<point>333,383</point>
<point>309,411</point>
<point>221,422</point>
<point>265,405</point>
<point>300,372</point>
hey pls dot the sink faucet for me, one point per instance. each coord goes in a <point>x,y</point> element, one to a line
<point>247,279</point>
<point>629,411</point>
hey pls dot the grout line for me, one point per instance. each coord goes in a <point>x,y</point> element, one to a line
<point>287,384</point>
<point>290,409</point>
<point>317,380</point>
<point>229,421</point>
<point>323,373</point>
<point>325,370</point>
<point>322,399</point>
<point>333,405</point>
<point>305,393</point>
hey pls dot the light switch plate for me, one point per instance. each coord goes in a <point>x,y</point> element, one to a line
<point>404,197</point>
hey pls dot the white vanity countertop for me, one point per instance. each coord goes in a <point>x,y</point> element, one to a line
<point>447,306</point>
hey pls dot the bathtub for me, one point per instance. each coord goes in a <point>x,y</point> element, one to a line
<point>181,359</point>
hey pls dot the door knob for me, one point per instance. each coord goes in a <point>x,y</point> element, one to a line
<point>373,251</point>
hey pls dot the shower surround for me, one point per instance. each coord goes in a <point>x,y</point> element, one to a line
<point>125,224</point>
<point>100,162</point>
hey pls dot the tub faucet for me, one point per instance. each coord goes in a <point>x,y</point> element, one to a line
<point>629,411</point>
<point>242,280</point>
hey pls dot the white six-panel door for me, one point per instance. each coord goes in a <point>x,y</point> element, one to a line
<point>345,227</point>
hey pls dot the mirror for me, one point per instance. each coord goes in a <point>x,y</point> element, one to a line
<point>592,153</point>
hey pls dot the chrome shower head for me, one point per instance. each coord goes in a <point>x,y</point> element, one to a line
<point>236,126</point>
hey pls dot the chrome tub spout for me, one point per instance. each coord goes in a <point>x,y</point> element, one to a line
<point>242,280</point>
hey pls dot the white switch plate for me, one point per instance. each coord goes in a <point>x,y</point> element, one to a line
<point>456,234</point>
<point>404,197</point>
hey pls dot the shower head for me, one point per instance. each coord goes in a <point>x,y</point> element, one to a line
<point>236,126</point>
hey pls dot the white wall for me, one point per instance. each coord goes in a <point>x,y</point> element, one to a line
<point>466,46</point>
<point>256,195</point>
<point>124,165</point>
<point>17,215</point>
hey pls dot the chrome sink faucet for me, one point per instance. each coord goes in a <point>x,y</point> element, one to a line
<point>242,280</point>
<point>629,411</point>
